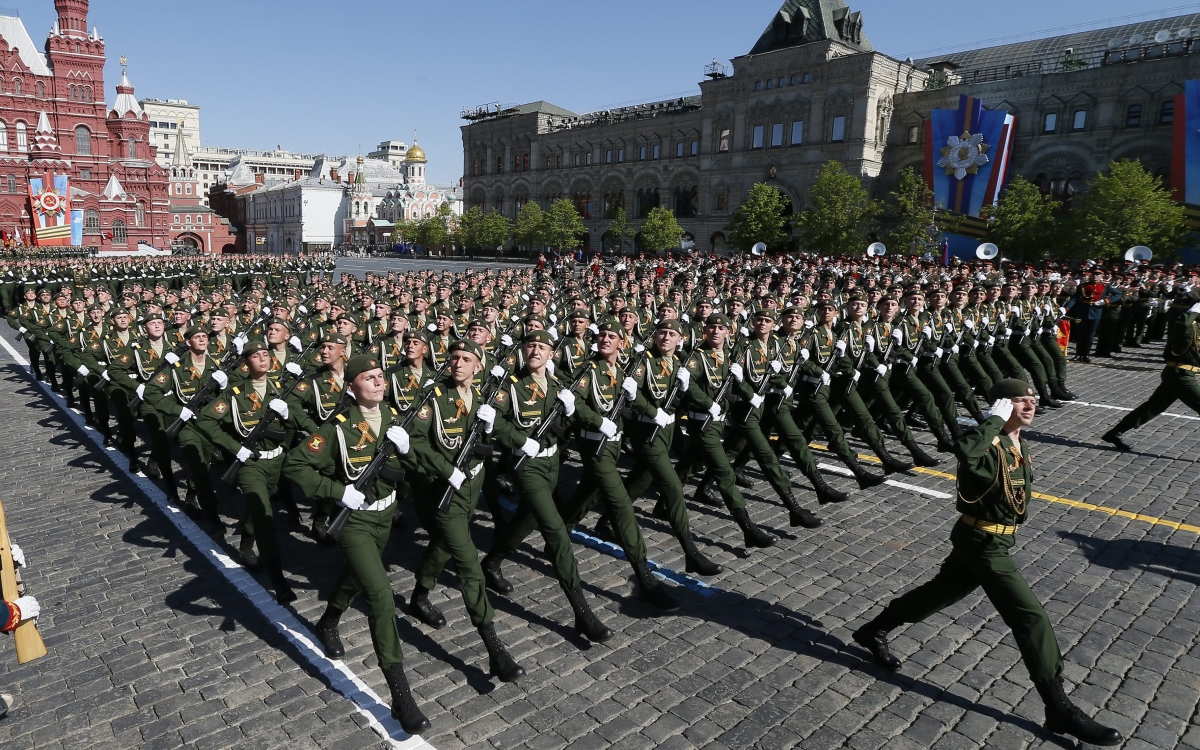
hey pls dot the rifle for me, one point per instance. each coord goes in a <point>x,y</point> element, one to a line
<point>472,439</point>
<point>138,398</point>
<point>264,423</point>
<point>672,397</point>
<point>549,423</point>
<point>619,402</point>
<point>205,392</point>
<point>28,641</point>
<point>835,356</point>
<point>858,363</point>
<point>887,355</point>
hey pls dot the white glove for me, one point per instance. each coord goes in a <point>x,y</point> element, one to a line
<point>29,607</point>
<point>296,344</point>
<point>432,326</point>
<point>809,323</point>
<point>841,347</point>
<point>927,332</point>
<point>776,366</point>
<point>1028,331</point>
<point>629,385</point>
<point>185,414</point>
<point>550,368</point>
<point>686,318</point>
<point>1015,310</point>
<point>244,454</point>
<point>1003,408</point>
<point>715,410</point>
<point>804,355</point>
<point>787,391</point>
<point>172,358</point>
<point>399,438</point>
<point>913,362</point>
<point>608,428</point>
<point>1048,309</point>
<point>427,383</point>
<point>487,415</point>
<point>497,371</point>
<point>825,378</point>
<point>456,479</point>
<point>568,401</point>
<point>639,349</point>
<point>662,419</point>
<point>745,314</point>
<point>22,330</point>
<point>954,349</point>
<point>870,342</point>
<point>18,556</point>
<point>352,498</point>
<point>882,370</point>
<point>736,371</point>
<point>294,369</point>
<point>898,335</point>
<point>744,331</point>
<point>756,401</point>
<point>239,343</point>
<point>856,376</point>
<point>991,340</point>
<point>553,318</point>
<point>594,329</point>
<point>83,371</point>
<point>684,377</point>
<point>506,340</point>
<point>938,352</point>
<point>970,324</point>
<point>1194,308</point>
<point>106,377</point>
<point>985,320</point>
<point>553,333</point>
<point>531,448</point>
<point>221,379</point>
<point>280,407</point>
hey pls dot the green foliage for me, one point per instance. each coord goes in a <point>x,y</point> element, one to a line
<point>660,230</point>
<point>760,218</point>
<point>1128,207</point>
<point>562,226</point>
<point>911,212</point>
<point>528,229</point>
<point>619,231</point>
<point>477,230</point>
<point>842,216</point>
<point>1023,222</point>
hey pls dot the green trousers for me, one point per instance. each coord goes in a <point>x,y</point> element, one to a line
<point>986,361</point>
<point>777,418</point>
<point>877,395</point>
<point>450,539</point>
<point>930,373</point>
<point>536,509</point>
<point>746,433</point>
<point>854,415</point>
<point>951,372</point>
<point>652,466</point>
<point>816,410</point>
<point>160,444</point>
<point>1024,354</point>
<point>705,451</point>
<point>1003,356</point>
<point>602,480</point>
<point>909,386</point>
<point>1051,354</point>
<point>258,480</point>
<point>362,542</point>
<point>1176,385</point>
<point>197,454</point>
<point>979,559</point>
<point>973,370</point>
<point>118,398</point>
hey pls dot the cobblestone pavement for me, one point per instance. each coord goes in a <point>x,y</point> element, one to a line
<point>150,648</point>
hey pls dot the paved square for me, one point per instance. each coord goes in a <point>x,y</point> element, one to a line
<point>151,647</point>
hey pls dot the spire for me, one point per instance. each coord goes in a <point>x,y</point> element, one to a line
<point>113,189</point>
<point>44,140</point>
<point>182,157</point>
<point>126,103</point>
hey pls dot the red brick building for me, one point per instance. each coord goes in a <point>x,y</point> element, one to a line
<point>53,119</point>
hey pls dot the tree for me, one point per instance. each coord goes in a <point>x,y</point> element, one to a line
<point>494,229</point>
<point>842,216</point>
<point>401,230</point>
<point>1128,207</point>
<point>619,230</point>
<point>1023,222</point>
<point>562,226</point>
<point>911,213</point>
<point>760,218</point>
<point>660,230</point>
<point>528,230</point>
<point>468,228</point>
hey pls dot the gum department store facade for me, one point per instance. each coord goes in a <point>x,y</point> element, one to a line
<point>813,89</point>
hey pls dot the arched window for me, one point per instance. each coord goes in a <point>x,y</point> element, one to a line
<point>91,221</point>
<point>17,86</point>
<point>139,215</point>
<point>119,235</point>
<point>3,137</point>
<point>132,149</point>
<point>22,137</point>
<point>87,93</point>
<point>187,219</point>
<point>41,90</point>
<point>83,141</point>
<point>12,183</point>
<point>188,189</point>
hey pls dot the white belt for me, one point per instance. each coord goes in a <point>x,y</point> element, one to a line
<point>478,468</point>
<point>381,504</point>
<point>270,454</point>
<point>700,416</point>
<point>585,434</point>
<point>547,453</point>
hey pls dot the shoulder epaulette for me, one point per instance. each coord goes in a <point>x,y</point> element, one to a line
<point>514,378</point>
<point>236,391</point>
<point>341,417</point>
<point>437,391</point>
<point>394,412</point>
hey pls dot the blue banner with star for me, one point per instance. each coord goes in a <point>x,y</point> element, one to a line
<point>967,154</point>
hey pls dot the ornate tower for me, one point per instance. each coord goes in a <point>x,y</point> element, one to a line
<point>185,184</point>
<point>72,17</point>
<point>414,163</point>
<point>128,125</point>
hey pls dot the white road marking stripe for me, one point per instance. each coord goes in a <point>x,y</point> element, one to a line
<point>1125,408</point>
<point>902,485</point>
<point>340,677</point>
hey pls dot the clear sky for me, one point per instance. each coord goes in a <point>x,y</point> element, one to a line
<point>328,77</point>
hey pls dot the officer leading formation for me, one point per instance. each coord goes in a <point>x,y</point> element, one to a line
<point>348,396</point>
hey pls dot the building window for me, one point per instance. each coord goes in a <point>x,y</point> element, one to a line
<point>577,160</point>
<point>695,147</point>
<point>839,128</point>
<point>723,144</point>
<point>17,86</point>
<point>22,137</point>
<point>119,235</point>
<point>83,141</point>
<point>1050,122</point>
<point>620,155</point>
<point>188,188</point>
<point>139,215</point>
<point>1079,119</point>
<point>91,221</point>
<point>770,83</point>
<point>720,202</point>
<point>85,174</point>
<point>558,161</point>
<point>3,137</point>
<point>499,164</point>
<point>641,153</point>
<point>797,132</point>
<point>757,86</point>
<point>260,209</point>
<point>41,90</point>
<point>12,184</point>
<point>608,156</point>
<point>758,136</point>
<point>132,149</point>
<point>525,162</point>
<point>1166,114</point>
<point>914,133</point>
<point>654,152</point>
<point>804,78</point>
<point>792,81</point>
<point>187,220</point>
<point>777,134</point>
<point>588,159</point>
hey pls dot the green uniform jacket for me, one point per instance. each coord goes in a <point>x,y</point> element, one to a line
<point>173,388</point>
<point>230,418</point>
<point>1183,340</point>
<point>995,476</point>
<point>522,405</point>
<point>336,454</point>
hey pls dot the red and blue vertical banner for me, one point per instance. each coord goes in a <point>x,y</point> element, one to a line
<point>1185,151</point>
<point>967,155</point>
<point>50,206</point>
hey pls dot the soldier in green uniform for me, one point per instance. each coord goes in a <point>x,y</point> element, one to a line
<point>120,350</point>
<point>317,399</point>
<point>439,434</point>
<point>529,398</point>
<point>325,467</point>
<point>1181,376</point>
<point>995,478</point>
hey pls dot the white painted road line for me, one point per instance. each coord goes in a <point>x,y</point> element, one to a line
<point>340,677</point>
<point>902,485</point>
<point>1125,408</point>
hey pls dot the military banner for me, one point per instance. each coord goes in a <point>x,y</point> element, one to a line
<point>50,206</point>
<point>967,154</point>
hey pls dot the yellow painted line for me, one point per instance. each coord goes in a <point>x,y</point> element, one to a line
<point>1153,520</point>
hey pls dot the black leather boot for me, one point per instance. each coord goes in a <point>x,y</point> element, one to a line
<point>246,551</point>
<point>605,530</point>
<point>945,442</point>
<point>585,621</point>
<point>420,606</point>
<point>404,708</point>
<point>873,637</point>
<point>327,633</point>
<point>866,480</point>
<point>920,457</point>
<point>825,493</point>
<point>493,576</point>
<point>1064,394</point>
<point>1064,717</point>
<point>500,663</point>
<point>705,496</point>
<point>891,464</point>
<point>755,537</point>
<point>1114,437</point>
<point>741,480</point>
<point>1046,399</point>
<point>283,590</point>
<point>651,591</point>
<point>695,561</point>
<point>798,516</point>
